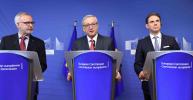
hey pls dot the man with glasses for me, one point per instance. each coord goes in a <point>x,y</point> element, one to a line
<point>90,27</point>
<point>92,40</point>
<point>23,40</point>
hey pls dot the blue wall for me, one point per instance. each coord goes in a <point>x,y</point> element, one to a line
<point>54,21</point>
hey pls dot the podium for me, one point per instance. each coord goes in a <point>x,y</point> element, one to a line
<point>18,70</point>
<point>171,74</point>
<point>93,73</point>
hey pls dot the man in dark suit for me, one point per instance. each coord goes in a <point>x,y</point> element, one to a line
<point>23,40</point>
<point>103,43</point>
<point>90,27</point>
<point>93,40</point>
<point>154,42</point>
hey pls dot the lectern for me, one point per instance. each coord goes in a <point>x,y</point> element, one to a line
<point>171,73</point>
<point>93,73</point>
<point>18,70</point>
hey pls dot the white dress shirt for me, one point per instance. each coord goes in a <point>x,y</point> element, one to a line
<point>159,35</point>
<point>26,40</point>
<point>94,38</point>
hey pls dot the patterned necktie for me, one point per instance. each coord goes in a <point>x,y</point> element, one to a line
<point>22,43</point>
<point>156,44</point>
<point>92,45</point>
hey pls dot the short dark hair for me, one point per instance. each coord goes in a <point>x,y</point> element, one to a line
<point>152,14</point>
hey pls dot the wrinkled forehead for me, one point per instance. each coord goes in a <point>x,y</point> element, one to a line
<point>25,18</point>
<point>90,20</point>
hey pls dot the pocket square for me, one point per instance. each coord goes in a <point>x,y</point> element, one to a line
<point>167,46</point>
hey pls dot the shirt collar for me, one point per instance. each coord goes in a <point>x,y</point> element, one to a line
<point>94,38</point>
<point>19,35</point>
<point>159,35</point>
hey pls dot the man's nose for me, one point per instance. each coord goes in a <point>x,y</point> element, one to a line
<point>90,26</point>
<point>155,23</point>
<point>30,25</point>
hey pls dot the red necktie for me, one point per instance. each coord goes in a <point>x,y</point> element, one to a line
<point>92,45</point>
<point>22,43</point>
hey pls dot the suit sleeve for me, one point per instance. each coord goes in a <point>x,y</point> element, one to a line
<point>112,45</point>
<point>175,45</point>
<point>42,57</point>
<point>2,44</point>
<point>139,58</point>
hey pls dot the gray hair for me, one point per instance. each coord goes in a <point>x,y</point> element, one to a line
<point>87,16</point>
<point>17,17</point>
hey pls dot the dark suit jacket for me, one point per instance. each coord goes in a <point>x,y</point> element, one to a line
<point>145,45</point>
<point>11,42</point>
<point>103,43</point>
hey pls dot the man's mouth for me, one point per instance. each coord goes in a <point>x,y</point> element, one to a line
<point>91,31</point>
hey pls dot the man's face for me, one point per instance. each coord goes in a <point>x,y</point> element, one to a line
<point>25,24</point>
<point>90,26</point>
<point>154,24</point>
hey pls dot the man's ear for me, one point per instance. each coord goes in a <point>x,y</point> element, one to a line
<point>83,29</point>
<point>146,25</point>
<point>17,25</point>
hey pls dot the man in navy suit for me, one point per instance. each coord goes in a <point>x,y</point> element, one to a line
<point>153,42</point>
<point>93,40</point>
<point>25,24</point>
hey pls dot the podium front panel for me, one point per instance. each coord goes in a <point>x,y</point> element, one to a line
<point>93,76</point>
<point>14,70</point>
<point>174,76</point>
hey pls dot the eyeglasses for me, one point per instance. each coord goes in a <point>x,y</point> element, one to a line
<point>27,23</point>
<point>92,25</point>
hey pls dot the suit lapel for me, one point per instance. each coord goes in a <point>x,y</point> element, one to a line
<point>99,42</point>
<point>30,46</point>
<point>85,44</point>
<point>149,43</point>
<point>16,42</point>
<point>163,42</point>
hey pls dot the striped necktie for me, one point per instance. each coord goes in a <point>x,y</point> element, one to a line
<point>22,43</point>
<point>92,45</point>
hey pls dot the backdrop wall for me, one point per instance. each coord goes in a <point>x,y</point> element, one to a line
<point>54,24</point>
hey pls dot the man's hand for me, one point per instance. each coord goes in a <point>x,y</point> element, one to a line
<point>142,75</point>
<point>118,76</point>
<point>69,76</point>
